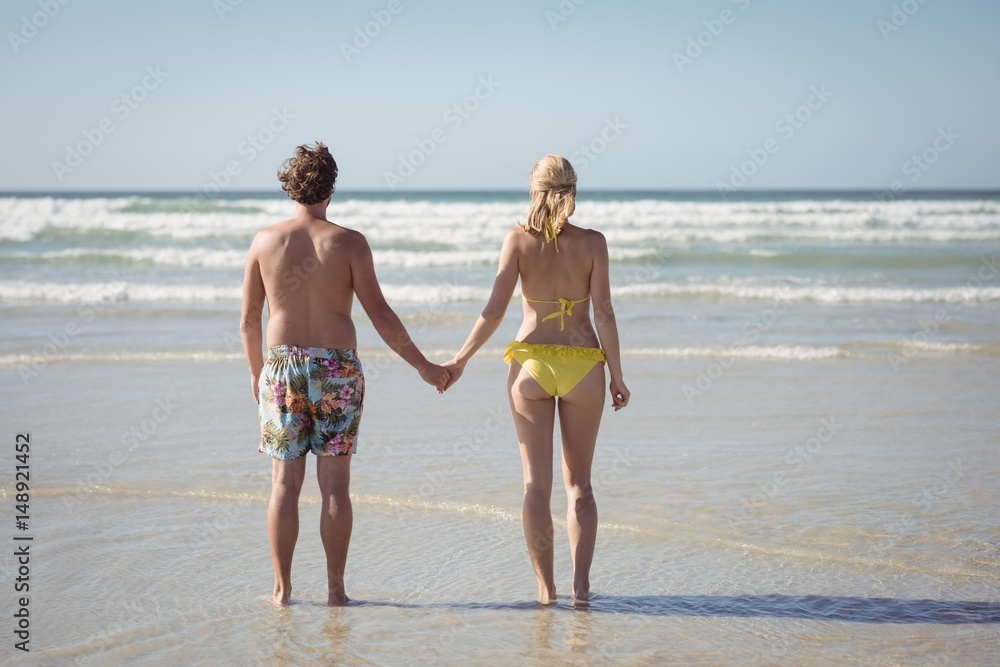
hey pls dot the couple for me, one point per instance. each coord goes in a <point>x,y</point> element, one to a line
<point>311,388</point>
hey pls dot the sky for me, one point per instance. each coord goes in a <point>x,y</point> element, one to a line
<point>459,95</point>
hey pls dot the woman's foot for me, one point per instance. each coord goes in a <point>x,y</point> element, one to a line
<point>282,598</point>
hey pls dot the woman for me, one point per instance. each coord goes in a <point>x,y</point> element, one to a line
<point>556,363</point>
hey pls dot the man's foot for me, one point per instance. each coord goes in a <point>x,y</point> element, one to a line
<point>282,598</point>
<point>546,596</point>
<point>581,597</point>
<point>337,600</point>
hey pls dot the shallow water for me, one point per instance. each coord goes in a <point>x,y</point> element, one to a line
<point>806,473</point>
<point>858,556</point>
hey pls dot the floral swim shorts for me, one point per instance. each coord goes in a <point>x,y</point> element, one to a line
<point>310,399</point>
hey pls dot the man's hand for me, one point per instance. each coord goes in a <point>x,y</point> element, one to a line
<point>253,388</point>
<point>456,370</point>
<point>435,375</point>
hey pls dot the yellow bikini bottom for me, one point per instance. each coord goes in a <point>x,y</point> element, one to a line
<point>556,368</point>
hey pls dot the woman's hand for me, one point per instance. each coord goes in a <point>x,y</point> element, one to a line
<point>437,376</point>
<point>455,369</point>
<point>619,394</point>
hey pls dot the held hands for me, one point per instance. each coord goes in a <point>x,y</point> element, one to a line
<point>619,394</point>
<point>437,376</point>
<point>455,369</point>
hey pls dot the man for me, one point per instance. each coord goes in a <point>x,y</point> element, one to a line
<point>310,391</point>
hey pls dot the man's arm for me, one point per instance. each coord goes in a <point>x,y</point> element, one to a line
<point>385,320</point>
<point>253,307</point>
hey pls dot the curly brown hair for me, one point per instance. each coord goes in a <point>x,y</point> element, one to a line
<point>310,176</point>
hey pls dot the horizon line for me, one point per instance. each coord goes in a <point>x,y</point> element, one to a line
<point>258,191</point>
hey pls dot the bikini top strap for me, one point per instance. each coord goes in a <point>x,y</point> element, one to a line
<point>565,309</point>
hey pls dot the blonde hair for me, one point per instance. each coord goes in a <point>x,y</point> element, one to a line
<point>553,196</point>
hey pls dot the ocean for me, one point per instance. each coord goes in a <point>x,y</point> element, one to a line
<point>807,472</point>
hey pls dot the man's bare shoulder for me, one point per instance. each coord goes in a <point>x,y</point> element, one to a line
<point>274,232</point>
<point>347,238</point>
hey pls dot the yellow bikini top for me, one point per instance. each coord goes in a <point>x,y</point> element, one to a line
<point>565,305</point>
<point>565,309</point>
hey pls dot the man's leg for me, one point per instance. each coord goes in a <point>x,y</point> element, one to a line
<point>336,521</point>
<point>283,522</point>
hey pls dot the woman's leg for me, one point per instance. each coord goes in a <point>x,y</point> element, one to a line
<point>534,418</point>
<point>579,418</point>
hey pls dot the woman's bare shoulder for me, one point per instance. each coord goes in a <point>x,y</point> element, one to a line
<point>593,237</point>
<point>516,237</point>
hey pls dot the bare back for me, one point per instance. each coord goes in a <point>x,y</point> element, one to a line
<point>305,266</point>
<point>549,275</point>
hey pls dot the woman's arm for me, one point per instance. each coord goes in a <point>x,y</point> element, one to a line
<point>607,326</point>
<point>496,307</point>
<point>384,318</point>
